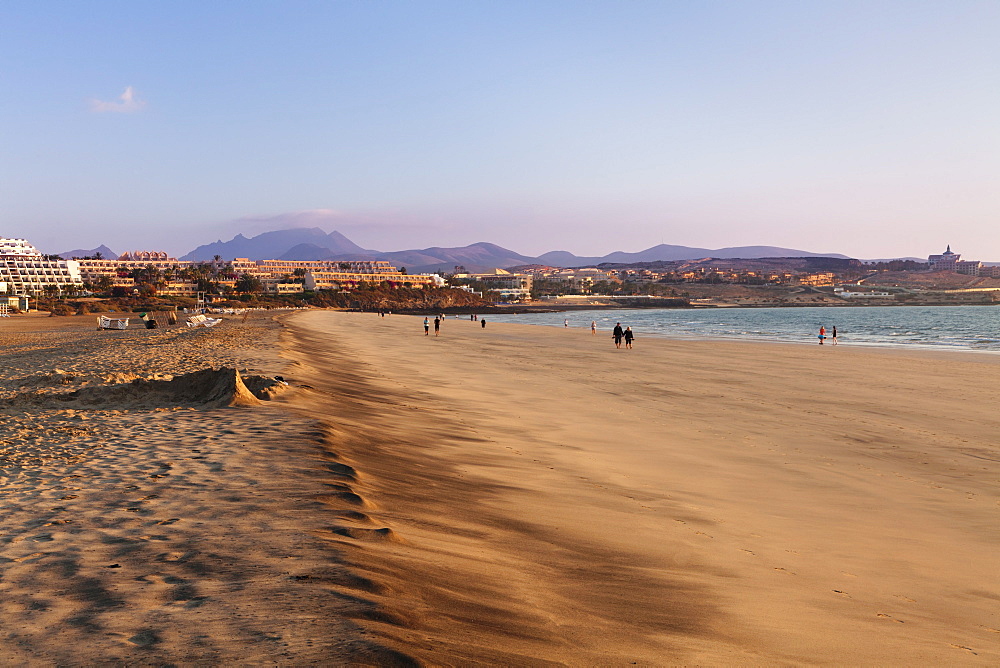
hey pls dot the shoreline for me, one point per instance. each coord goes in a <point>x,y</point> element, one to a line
<point>805,340</point>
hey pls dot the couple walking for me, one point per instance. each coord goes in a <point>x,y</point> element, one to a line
<point>618,334</point>
<point>437,326</point>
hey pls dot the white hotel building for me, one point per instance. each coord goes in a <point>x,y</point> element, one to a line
<point>25,271</point>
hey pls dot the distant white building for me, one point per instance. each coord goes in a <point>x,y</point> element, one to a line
<point>17,248</point>
<point>874,294</point>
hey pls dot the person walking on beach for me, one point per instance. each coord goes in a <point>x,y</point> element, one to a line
<point>833,336</point>
<point>593,328</point>
<point>629,335</point>
<point>566,322</point>
<point>822,334</point>
<point>617,334</point>
<point>427,327</point>
<point>437,326</point>
<point>482,324</point>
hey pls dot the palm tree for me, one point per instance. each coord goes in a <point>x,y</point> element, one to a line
<point>104,283</point>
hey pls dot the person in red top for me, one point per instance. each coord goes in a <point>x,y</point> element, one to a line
<point>822,334</point>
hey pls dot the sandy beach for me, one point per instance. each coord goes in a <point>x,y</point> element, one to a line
<point>512,495</point>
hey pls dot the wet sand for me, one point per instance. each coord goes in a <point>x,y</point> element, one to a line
<point>510,496</point>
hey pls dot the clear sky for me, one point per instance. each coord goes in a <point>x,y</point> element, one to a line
<point>868,128</point>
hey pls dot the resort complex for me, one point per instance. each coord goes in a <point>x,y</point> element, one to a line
<point>25,273</point>
<point>24,270</point>
<point>948,261</point>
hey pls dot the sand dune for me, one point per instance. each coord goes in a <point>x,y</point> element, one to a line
<point>145,521</point>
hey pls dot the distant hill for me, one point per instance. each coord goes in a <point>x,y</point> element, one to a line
<point>274,245</point>
<point>667,252</point>
<point>314,252</point>
<point>314,244</point>
<point>475,257</point>
<point>105,252</point>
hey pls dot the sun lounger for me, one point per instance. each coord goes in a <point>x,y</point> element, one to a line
<point>202,320</point>
<point>104,322</point>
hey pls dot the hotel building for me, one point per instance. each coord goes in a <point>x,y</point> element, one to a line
<point>26,271</point>
<point>948,261</point>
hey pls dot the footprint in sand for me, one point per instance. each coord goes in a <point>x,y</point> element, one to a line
<point>967,649</point>
<point>170,588</point>
<point>30,557</point>
<point>145,638</point>
<point>885,616</point>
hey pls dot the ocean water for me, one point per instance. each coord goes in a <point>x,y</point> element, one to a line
<point>940,327</point>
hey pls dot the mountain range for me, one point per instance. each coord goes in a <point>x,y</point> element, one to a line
<point>105,252</point>
<point>316,244</point>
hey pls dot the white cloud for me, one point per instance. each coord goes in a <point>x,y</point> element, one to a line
<point>126,103</point>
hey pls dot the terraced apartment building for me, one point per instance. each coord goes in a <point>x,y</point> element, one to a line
<point>24,270</point>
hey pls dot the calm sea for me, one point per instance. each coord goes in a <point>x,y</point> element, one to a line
<point>941,327</point>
